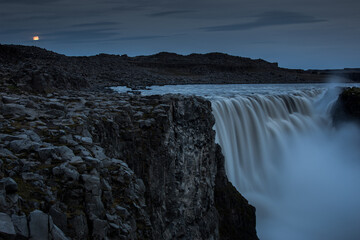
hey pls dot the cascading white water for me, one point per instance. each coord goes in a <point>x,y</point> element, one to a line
<point>300,173</point>
<point>249,129</point>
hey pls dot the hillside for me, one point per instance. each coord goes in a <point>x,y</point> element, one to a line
<point>39,70</point>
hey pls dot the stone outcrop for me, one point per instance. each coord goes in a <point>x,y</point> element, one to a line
<point>347,107</point>
<point>99,165</point>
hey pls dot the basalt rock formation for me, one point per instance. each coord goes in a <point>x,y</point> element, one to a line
<point>347,107</point>
<point>100,165</point>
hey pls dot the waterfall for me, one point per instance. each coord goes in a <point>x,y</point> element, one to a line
<point>282,153</point>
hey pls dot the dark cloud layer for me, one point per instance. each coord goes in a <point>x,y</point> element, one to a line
<point>268,19</point>
<point>94,24</point>
<point>300,33</point>
<point>28,2</point>
<point>169,13</point>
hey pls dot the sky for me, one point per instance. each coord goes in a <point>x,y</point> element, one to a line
<point>306,34</point>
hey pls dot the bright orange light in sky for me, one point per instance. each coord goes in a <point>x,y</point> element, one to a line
<point>36,38</point>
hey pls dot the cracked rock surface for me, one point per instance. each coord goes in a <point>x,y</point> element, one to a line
<point>100,165</point>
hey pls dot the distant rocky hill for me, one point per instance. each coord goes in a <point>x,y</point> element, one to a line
<point>39,70</point>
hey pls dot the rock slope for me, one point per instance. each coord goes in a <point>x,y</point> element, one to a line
<point>38,70</point>
<point>99,165</point>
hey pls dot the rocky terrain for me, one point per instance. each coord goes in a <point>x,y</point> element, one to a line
<point>38,70</point>
<point>347,107</point>
<point>99,165</point>
<point>78,161</point>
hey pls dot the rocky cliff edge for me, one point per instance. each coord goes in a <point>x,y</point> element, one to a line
<point>90,165</point>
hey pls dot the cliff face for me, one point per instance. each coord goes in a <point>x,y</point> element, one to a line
<point>96,165</point>
<point>171,147</point>
<point>347,107</point>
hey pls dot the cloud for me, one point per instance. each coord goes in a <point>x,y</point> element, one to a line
<point>12,31</point>
<point>84,35</point>
<point>27,2</point>
<point>94,24</point>
<point>275,18</point>
<point>139,37</point>
<point>168,13</point>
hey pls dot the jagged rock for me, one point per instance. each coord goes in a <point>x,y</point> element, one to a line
<point>98,152</point>
<point>93,162</point>
<point>347,106</point>
<point>61,153</point>
<point>94,204</point>
<point>9,99</point>
<point>162,188</point>
<point>80,227</point>
<point>123,212</point>
<point>23,145</point>
<point>17,110</point>
<point>33,136</point>
<point>76,160</point>
<point>29,176</point>
<point>85,140</point>
<point>237,217</point>
<point>7,230</point>
<point>55,105</point>
<point>100,228</point>
<point>10,185</point>
<point>7,137</point>
<point>57,234</point>
<point>59,218</point>
<point>39,225</point>
<point>21,226</point>
<point>13,109</point>
<point>5,153</point>
<point>83,152</point>
<point>68,139</point>
<point>8,195</point>
<point>67,171</point>
<point>47,153</point>
<point>65,153</point>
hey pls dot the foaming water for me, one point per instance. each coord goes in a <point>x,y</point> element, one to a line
<point>299,172</point>
<point>283,154</point>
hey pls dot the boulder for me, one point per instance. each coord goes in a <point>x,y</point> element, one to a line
<point>57,234</point>
<point>65,153</point>
<point>23,145</point>
<point>39,225</point>
<point>10,185</point>
<point>7,230</point>
<point>100,228</point>
<point>59,218</point>
<point>21,226</point>
<point>84,140</point>
<point>80,227</point>
<point>347,106</point>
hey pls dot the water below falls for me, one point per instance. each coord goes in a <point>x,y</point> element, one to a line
<point>284,155</point>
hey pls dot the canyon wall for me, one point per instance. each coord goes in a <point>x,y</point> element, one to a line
<point>101,165</point>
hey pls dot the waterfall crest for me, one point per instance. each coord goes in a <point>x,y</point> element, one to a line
<point>282,153</point>
<point>250,128</point>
